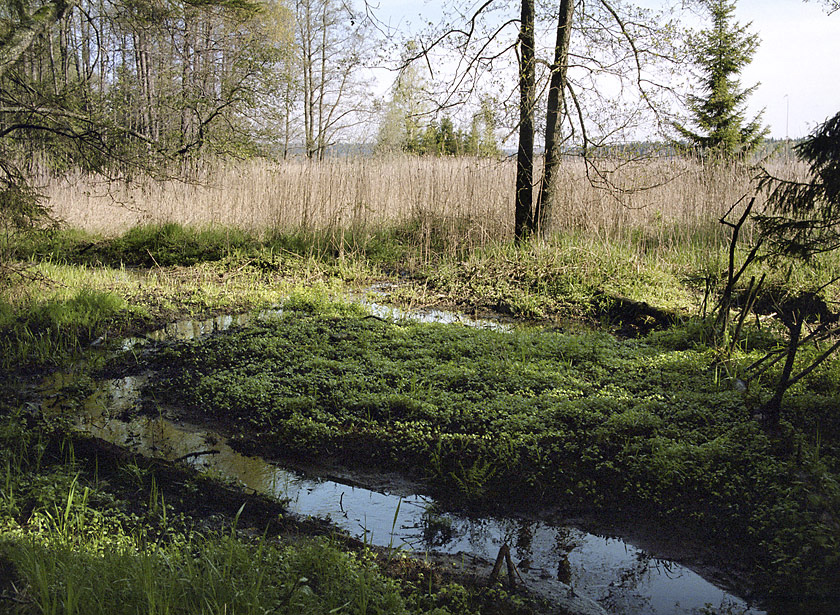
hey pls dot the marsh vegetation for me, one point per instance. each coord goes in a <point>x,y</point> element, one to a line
<point>611,394</point>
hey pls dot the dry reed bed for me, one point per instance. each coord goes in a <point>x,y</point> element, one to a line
<point>472,198</point>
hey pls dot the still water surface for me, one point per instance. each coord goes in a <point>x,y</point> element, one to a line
<point>618,576</point>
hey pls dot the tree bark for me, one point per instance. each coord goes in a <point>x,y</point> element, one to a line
<point>24,33</point>
<point>307,57</point>
<point>772,410</point>
<point>554,116</point>
<point>524,207</point>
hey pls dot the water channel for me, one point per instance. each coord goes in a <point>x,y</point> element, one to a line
<point>587,573</point>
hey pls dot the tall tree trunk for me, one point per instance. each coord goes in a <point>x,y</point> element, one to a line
<point>86,44</point>
<point>187,70</point>
<point>554,115</point>
<point>307,59</point>
<point>25,33</point>
<point>63,47</point>
<point>524,212</point>
<point>141,60</point>
<point>103,57</point>
<point>51,55</point>
<point>323,82</point>
<point>287,118</point>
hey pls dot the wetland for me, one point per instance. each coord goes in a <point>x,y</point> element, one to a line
<point>603,440</point>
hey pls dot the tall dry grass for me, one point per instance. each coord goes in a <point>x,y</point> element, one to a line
<point>469,200</point>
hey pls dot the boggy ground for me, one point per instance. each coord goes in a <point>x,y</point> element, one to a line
<point>530,418</point>
<point>649,425</point>
<point>89,528</point>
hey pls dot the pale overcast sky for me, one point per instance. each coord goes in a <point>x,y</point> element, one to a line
<point>797,63</point>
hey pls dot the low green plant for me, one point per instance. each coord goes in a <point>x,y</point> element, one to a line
<point>38,332</point>
<point>215,574</point>
<point>584,418</point>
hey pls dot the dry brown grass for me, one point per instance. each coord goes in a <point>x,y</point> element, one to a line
<point>470,199</point>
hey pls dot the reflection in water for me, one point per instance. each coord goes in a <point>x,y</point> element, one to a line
<point>433,315</point>
<point>183,330</point>
<point>620,577</point>
<point>194,329</point>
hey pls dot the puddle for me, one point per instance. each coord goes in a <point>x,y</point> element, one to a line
<point>433,315</point>
<point>422,314</point>
<point>601,574</point>
<point>184,330</point>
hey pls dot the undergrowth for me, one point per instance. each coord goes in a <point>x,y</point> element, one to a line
<point>80,538</point>
<point>538,417</point>
<point>48,332</point>
<point>650,424</point>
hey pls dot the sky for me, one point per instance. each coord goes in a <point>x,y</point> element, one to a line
<point>796,67</point>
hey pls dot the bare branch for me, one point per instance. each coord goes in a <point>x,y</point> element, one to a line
<point>31,26</point>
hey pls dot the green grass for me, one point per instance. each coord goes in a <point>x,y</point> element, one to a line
<point>564,277</point>
<point>171,268</point>
<point>651,424</point>
<point>79,287</point>
<point>538,416</point>
<point>172,244</point>
<point>142,246</point>
<point>200,574</point>
<point>80,537</point>
<point>47,332</point>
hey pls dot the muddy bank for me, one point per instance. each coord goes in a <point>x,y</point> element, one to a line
<point>575,570</point>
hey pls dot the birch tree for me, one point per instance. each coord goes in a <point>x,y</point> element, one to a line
<point>331,48</point>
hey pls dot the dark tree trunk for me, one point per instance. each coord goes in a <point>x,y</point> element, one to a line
<point>524,208</point>
<point>554,115</point>
<point>772,410</point>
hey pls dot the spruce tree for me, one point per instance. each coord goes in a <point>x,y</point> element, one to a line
<point>721,52</point>
<point>802,220</point>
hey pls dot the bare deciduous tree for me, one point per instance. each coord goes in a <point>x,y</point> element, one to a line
<point>831,6</point>
<point>114,87</point>
<point>331,48</point>
<point>608,74</point>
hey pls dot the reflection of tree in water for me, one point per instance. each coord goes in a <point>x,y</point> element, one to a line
<point>637,571</point>
<point>564,543</point>
<point>481,535</point>
<point>523,543</point>
<point>625,594</point>
<point>534,545</point>
<point>438,529</point>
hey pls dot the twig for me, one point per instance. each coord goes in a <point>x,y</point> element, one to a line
<point>153,258</point>
<point>197,454</point>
